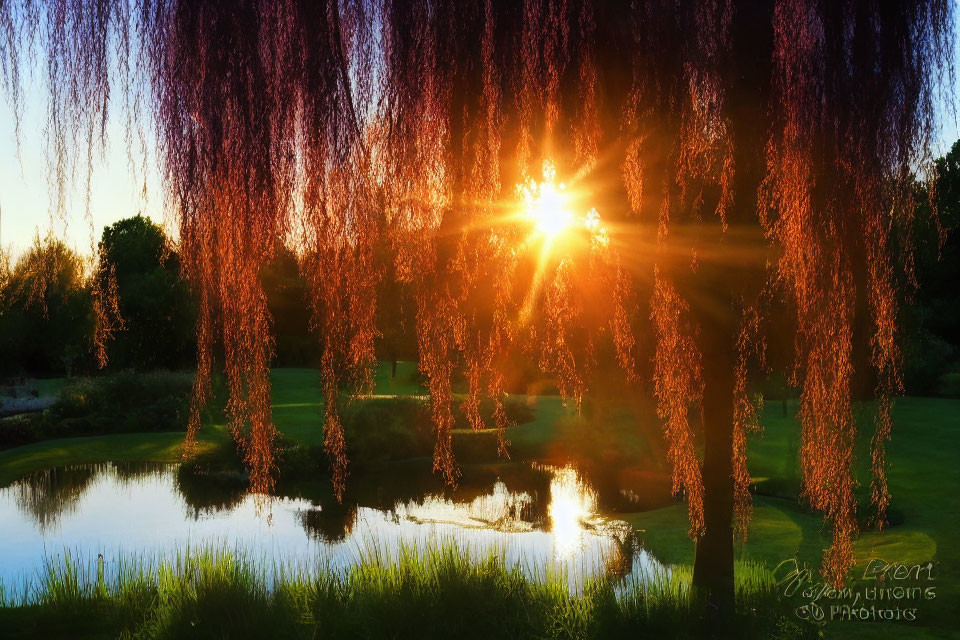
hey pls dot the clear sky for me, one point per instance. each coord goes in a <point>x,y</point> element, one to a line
<point>25,196</point>
<point>27,199</point>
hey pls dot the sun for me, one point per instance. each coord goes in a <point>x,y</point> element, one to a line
<point>549,209</point>
<point>547,204</point>
<point>559,226</point>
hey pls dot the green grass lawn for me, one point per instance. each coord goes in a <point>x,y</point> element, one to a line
<point>924,479</point>
<point>922,472</point>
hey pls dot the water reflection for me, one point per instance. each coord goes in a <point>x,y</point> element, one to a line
<point>329,524</point>
<point>540,516</point>
<point>206,492</point>
<point>500,510</point>
<point>50,494</point>
<point>571,505</point>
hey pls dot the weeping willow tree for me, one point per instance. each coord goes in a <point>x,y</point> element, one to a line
<point>547,175</point>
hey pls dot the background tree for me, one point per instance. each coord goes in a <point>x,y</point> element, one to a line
<point>932,319</point>
<point>396,314</point>
<point>45,319</point>
<point>286,293</point>
<point>156,312</point>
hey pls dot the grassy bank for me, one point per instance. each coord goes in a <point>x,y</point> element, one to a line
<point>298,415</point>
<point>436,593</point>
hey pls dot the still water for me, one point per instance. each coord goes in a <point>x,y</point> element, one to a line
<point>545,518</point>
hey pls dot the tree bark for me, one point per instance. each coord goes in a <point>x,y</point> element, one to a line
<point>713,564</point>
<point>718,320</point>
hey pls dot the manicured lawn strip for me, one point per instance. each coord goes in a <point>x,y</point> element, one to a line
<point>124,447</point>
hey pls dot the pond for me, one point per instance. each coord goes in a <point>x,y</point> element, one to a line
<point>545,518</point>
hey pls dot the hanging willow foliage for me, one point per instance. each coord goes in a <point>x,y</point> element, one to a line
<point>341,126</point>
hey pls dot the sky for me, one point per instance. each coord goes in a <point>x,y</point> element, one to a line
<point>26,198</point>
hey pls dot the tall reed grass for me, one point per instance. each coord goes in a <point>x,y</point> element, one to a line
<point>438,592</point>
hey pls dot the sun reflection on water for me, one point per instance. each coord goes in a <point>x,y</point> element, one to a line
<point>502,510</point>
<point>571,513</point>
<point>572,510</point>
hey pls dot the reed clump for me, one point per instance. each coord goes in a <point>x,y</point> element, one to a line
<point>443,591</point>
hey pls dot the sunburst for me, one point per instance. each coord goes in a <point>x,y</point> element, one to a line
<point>548,205</point>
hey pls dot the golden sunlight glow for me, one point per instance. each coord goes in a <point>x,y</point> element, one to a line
<point>551,208</point>
<point>572,506</point>
<point>547,204</point>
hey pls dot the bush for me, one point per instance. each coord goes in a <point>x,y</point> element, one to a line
<point>382,429</point>
<point>518,412</point>
<point>18,430</point>
<point>157,400</point>
<point>120,403</point>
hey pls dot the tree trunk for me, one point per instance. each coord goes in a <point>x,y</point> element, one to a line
<point>713,564</point>
<point>720,287</point>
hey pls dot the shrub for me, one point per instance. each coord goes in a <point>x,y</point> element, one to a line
<point>381,429</point>
<point>18,430</point>
<point>120,403</point>
<point>518,412</point>
<point>159,399</point>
